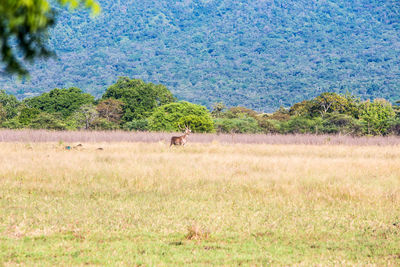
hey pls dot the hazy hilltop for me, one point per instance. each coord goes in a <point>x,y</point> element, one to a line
<point>260,54</point>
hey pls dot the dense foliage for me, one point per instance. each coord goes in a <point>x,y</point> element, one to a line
<point>259,54</point>
<point>175,116</point>
<point>132,104</point>
<point>62,101</point>
<point>139,98</point>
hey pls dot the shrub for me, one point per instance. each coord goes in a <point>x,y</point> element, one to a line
<point>236,125</point>
<point>47,121</point>
<point>301,125</point>
<point>375,116</point>
<point>335,123</point>
<point>12,124</point>
<point>241,112</point>
<point>281,114</point>
<point>170,117</point>
<point>27,114</point>
<point>267,125</point>
<point>103,125</point>
<point>137,125</point>
<point>9,104</point>
<point>110,109</point>
<point>394,126</point>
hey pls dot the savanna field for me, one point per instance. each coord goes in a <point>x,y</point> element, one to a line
<point>325,201</point>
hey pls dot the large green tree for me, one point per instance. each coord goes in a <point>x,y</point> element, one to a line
<point>62,101</point>
<point>24,28</point>
<point>139,98</point>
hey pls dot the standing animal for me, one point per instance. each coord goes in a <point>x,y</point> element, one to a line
<point>180,140</point>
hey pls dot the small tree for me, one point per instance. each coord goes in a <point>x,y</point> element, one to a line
<point>218,109</point>
<point>47,121</point>
<point>103,124</point>
<point>335,123</point>
<point>198,124</point>
<point>332,102</point>
<point>173,116</point>
<point>137,125</point>
<point>237,125</point>
<point>110,109</point>
<point>241,112</point>
<point>282,114</point>
<point>9,103</point>
<point>302,108</point>
<point>301,125</point>
<point>375,116</point>
<point>26,115</point>
<point>394,127</point>
<point>85,116</point>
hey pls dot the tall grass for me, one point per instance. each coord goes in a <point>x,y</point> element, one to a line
<point>204,204</point>
<point>149,137</point>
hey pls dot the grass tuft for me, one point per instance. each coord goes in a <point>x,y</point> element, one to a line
<point>196,232</point>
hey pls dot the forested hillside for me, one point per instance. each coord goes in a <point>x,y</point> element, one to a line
<point>260,54</point>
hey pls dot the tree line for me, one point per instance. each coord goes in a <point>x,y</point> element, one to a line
<point>132,104</point>
<point>260,54</point>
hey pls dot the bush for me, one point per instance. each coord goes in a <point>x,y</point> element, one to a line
<point>9,105</point>
<point>301,125</point>
<point>394,126</point>
<point>240,112</point>
<point>47,121</point>
<point>137,125</point>
<point>12,124</point>
<point>335,123</point>
<point>173,116</point>
<point>27,114</point>
<point>236,125</point>
<point>267,125</point>
<point>375,116</point>
<point>281,114</point>
<point>103,124</point>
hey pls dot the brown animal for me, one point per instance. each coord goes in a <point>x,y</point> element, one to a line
<point>180,140</point>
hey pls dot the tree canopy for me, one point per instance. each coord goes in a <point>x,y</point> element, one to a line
<point>257,54</point>
<point>71,109</point>
<point>62,101</point>
<point>175,116</point>
<point>139,98</point>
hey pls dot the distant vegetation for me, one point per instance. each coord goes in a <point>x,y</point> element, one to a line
<point>132,104</point>
<point>259,54</point>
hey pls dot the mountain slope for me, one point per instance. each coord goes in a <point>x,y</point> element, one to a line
<point>260,54</point>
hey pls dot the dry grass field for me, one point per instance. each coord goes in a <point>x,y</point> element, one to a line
<point>221,204</point>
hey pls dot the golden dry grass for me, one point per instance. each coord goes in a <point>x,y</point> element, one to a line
<point>136,203</point>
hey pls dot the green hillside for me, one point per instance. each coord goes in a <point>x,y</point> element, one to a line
<point>260,54</point>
